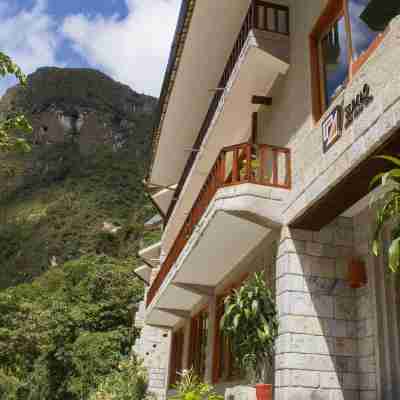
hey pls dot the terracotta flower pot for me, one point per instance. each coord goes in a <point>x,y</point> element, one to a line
<point>357,275</point>
<point>263,391</point>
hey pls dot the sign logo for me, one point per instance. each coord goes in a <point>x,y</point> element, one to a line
<point>332,128</point>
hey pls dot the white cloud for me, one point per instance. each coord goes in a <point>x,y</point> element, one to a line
<point>133,50</point>
<point>28,36</point>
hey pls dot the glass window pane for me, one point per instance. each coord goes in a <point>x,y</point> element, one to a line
<point>368,18</point>
<point>335,59</point>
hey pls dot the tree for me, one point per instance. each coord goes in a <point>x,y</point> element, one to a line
<point>15,123</point>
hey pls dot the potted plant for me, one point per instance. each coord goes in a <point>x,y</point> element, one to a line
<point>250,322</point>
<point>389,210</point>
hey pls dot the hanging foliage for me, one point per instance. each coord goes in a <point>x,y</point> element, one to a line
<point>388,210</point>
<point>11,126</point>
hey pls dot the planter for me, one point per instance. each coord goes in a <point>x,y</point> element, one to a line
<point>263,391</point>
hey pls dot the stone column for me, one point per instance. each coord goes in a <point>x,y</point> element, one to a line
<point>316,352</point>
<point>153,347</point>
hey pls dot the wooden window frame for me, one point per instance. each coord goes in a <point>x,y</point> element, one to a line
<point>331,14</point>
<point>176,356</point>
<point>196,338</point>
<point>217,353</point>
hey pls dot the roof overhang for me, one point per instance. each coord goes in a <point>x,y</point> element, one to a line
<point>144,271</point>
<point>212,31</point>
<point>151,255</point>
<point>163,198</point>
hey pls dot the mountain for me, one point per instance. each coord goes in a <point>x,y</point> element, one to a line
<point>72,218</point>
<point>90,147</point>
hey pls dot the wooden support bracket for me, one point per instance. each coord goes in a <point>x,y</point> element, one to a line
<point>261,100</point>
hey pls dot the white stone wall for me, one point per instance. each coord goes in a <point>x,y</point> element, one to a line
<point>317,350</point>
<point>153,347</point>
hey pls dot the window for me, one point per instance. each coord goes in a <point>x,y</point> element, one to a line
<point>334,60</point>
<point>224,367</point>
<point>198,343</point>
<point>178,339</point>
<point>341,41</point>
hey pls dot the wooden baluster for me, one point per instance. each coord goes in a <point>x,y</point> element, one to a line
<point>222,168</point>
<point>262,164</point>
<point>276,20</point>
<point>235,166</point>
<point>249,168</point>
<point>254,11</point>
<point>265,13</point>
<point>275,166</point>
<point>288,170</point>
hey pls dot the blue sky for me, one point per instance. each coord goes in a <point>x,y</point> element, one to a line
<point>127,39</point>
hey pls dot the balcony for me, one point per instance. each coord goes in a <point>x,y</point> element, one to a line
<point>236,167</point>
<point>260,55</point>
<point>266,30</point>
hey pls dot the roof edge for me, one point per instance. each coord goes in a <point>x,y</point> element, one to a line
<point>184,19</point>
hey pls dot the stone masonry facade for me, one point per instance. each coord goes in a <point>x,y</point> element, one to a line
<point>153,348</point>
<point>325,350</point>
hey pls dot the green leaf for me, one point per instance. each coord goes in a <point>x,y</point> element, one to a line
<point>392,159</point>
<point>375,247</point>
<point>394,255</point>
<point>236,321</point>
<point>254,306</point>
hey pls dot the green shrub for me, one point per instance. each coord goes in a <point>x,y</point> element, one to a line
<point>128,382</point>
<point>67,331</point>
<point>190,387</point>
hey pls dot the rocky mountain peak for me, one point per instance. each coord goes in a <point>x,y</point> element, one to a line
<point>81,105</point>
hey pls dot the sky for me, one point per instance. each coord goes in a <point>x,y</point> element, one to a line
<point>128,40</point>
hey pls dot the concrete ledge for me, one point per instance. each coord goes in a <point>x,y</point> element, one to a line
<point>260,209</point>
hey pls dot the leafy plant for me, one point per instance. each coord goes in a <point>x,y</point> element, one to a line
<point>128,382</point>
<point>190,387</point>
<point>250,322</point>
<point>389,210</point>
<point>17,122</point>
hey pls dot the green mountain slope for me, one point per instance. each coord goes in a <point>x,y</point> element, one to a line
<point>56,201</point>
<point>72,216</point>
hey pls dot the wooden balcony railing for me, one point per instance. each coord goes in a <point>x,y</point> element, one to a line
<point>264,16</point>
<point>245,163</point>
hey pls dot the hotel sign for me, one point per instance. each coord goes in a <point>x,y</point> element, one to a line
<point>358,105</point>
<point>332,127</point>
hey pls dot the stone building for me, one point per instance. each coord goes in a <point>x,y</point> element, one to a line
<point>270,118</point>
